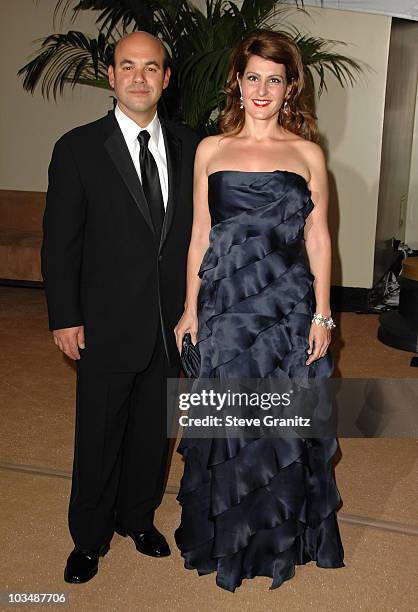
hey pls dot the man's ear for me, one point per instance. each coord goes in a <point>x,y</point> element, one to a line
<point>167,75</point>
<point>111,76</point>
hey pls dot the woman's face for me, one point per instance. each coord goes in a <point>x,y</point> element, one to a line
<point>264,87</point>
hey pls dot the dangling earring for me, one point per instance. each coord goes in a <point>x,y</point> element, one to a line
<point>241,102</point>
<point>286,107</point>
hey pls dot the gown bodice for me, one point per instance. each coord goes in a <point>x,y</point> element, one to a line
<point>232,192</point>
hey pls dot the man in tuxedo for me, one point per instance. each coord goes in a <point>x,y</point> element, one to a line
<point>117,227</point>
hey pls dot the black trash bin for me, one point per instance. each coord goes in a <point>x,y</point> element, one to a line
<point>399,328</point>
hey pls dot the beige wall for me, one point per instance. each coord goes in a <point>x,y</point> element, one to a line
<point>29,125</point>
<point>411,227</point>
<point>398,133</point>
<point>350,120</point>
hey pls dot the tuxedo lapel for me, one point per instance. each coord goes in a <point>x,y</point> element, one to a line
<point>116,147</point>
<point>173,154</point>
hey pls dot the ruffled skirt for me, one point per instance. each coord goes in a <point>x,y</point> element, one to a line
<point>258,508</point>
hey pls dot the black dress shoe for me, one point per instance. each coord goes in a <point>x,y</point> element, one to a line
<point>82,564</point>
<point>151,542</point>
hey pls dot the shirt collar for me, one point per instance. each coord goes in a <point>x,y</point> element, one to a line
<point>130,129</point>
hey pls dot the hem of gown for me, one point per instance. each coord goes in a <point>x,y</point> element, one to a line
<point>274,585</point>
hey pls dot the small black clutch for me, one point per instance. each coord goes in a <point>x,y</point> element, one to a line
<point>190,357</point>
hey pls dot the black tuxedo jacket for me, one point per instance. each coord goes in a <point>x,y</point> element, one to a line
<point>101,262</point>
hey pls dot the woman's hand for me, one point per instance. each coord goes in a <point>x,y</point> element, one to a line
<point>319,341</point>
<point>187,324</point>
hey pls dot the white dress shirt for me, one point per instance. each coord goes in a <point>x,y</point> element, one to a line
<point>130,131</point>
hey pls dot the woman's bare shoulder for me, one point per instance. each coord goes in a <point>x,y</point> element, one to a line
<point>309,147</point>
<point>210,143</point>
<point>311,152</point>
<point>208,148</point>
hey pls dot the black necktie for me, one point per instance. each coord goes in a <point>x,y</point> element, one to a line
<point>151,182</point>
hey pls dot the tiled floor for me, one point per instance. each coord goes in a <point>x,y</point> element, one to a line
<point>377,478</point>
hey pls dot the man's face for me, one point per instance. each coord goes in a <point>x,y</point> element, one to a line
<point>138,77</point>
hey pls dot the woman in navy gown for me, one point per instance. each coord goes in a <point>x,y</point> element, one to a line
<point>260,507</point>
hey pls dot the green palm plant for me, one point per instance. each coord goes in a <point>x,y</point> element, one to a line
<point>199,43</point>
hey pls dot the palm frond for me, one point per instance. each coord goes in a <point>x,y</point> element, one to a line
<point>125,13</point>
<point>319,57</point>
<point>66,59</point>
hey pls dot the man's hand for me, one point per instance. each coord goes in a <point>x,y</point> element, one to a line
<point>69,340</point>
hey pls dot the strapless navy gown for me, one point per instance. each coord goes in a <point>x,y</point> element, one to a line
<point>257,507</point>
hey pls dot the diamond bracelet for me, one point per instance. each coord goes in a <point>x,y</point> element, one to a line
<point>319,319</point>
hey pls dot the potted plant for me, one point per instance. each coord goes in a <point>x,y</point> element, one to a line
<point>199,43</point>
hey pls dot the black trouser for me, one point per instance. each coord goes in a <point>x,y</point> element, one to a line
<point>121,450</point>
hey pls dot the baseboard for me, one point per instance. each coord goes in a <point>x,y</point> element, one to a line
<point>343,299</point>
<point>349,299</point>
<point>10,282</point>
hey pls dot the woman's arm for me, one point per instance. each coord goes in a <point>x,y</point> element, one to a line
<point>318,248</point>
<point>198,244</point>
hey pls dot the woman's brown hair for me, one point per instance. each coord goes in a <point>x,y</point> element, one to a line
<point>281,49</point>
